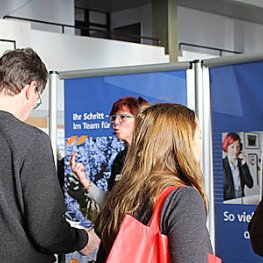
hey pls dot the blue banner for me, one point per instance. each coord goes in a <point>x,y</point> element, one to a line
<point>88,102</point>
<point>237,122</point>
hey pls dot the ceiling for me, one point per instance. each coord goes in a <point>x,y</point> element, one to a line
<point>249,10</point>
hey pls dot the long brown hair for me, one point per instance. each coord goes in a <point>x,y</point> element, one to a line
<point>160,155</point>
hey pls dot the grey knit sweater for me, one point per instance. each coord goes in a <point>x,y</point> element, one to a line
<point>183,220</point>
<point>32,227</point>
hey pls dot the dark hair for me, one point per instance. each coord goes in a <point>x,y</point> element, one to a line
<point>132,103</point>
<point>229,139</point>
<point>20,67</point>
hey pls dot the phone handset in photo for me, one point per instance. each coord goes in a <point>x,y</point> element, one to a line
<point>241,156</point>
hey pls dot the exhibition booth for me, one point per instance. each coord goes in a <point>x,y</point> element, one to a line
<point>227,96</point>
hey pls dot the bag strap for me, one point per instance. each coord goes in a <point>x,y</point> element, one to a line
<point>155,219</point>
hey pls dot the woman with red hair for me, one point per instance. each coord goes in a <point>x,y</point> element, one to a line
<point>122,118</point>
<point>236,172</point>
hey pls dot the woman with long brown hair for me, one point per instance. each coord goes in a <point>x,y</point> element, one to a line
<point>165,151</point>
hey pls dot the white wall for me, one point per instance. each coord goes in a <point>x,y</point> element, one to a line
<point>218,31</point>
<point>142,14</point>
<point>204,28</point>
<point>66,52</point>
<point>56,11</point>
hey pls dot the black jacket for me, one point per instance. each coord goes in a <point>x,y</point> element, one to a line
<point>116,167</point>
<point>245,179</point>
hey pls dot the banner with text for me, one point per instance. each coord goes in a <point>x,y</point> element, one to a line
<point>237,133</point>
<point>88,132</point>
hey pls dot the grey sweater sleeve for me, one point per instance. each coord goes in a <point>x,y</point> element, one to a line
<point>97,195</point>
<point>183,220</point>
<point>44,202</point>
<point>77,191</point>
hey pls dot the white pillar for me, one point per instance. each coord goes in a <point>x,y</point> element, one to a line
<point>52,123</point>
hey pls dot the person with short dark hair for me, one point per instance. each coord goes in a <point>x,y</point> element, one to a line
<point>33,228</point>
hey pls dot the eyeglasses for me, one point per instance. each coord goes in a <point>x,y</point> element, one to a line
<point>121,117</point>
<point>39,101</point>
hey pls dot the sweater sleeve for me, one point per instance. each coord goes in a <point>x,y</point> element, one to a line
<point>184,222</point>
<point>77,191</point>
<point>44,202</point>
<point>97,195</point>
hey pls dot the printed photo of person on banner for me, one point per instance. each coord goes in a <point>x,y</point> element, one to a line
<point>241,165</point>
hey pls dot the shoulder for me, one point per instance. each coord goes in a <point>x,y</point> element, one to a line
<point>183,206</point>
<point>183,220</point>
<point>186,194</point>
<point>16,127</point>
<point>184,200</point>
<point>20,136</point>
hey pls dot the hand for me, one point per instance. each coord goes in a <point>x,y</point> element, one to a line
<point>77,168</point>
<point>92,245</point>
<point>242,158</point>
